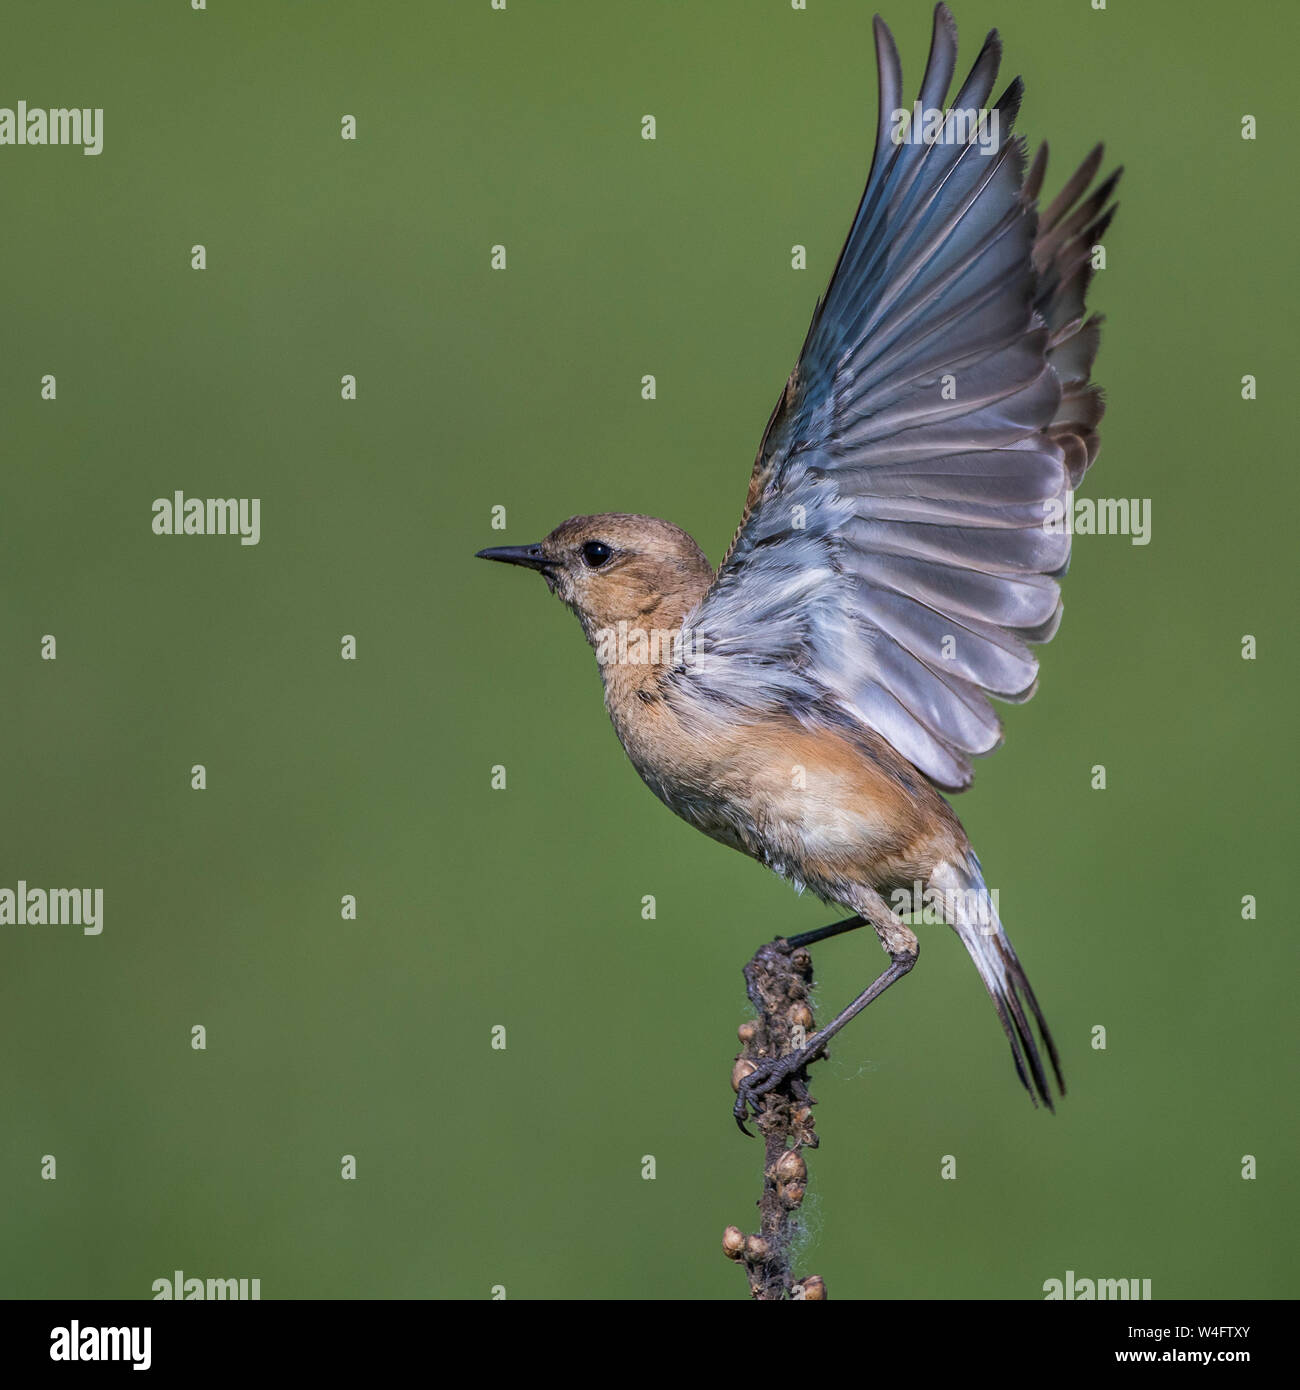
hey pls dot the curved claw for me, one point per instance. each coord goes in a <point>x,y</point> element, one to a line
<point>742,1108</point>
<point>758,1083</point>
<point>744,1103</point>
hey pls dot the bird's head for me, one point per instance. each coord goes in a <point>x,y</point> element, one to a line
<point>613,569</point>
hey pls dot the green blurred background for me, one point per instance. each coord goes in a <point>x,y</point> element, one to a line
<point>478,1167</point>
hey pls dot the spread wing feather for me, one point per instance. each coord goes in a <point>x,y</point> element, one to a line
<point>893,556</point>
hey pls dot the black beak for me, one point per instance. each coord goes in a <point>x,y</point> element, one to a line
<point>530,556</point>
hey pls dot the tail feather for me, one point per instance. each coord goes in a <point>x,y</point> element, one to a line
<point>975,920</point>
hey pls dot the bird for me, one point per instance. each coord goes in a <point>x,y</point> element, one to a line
<point>810,700</point>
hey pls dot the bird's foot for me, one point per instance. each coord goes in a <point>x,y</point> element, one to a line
<point>765,1077</point>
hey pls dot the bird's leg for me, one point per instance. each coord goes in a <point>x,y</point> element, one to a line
<point>810,938</point>
<point>901,944</point>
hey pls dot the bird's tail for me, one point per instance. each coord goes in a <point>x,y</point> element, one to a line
<point>972,912</point>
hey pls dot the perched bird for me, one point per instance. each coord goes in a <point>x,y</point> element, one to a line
<point>894,560</point>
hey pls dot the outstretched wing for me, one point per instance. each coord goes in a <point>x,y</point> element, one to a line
<point>896,554</point>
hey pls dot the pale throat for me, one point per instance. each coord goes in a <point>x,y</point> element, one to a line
<point>638,651</point>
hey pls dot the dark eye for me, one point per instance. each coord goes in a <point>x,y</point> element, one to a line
<point>595,553</point>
